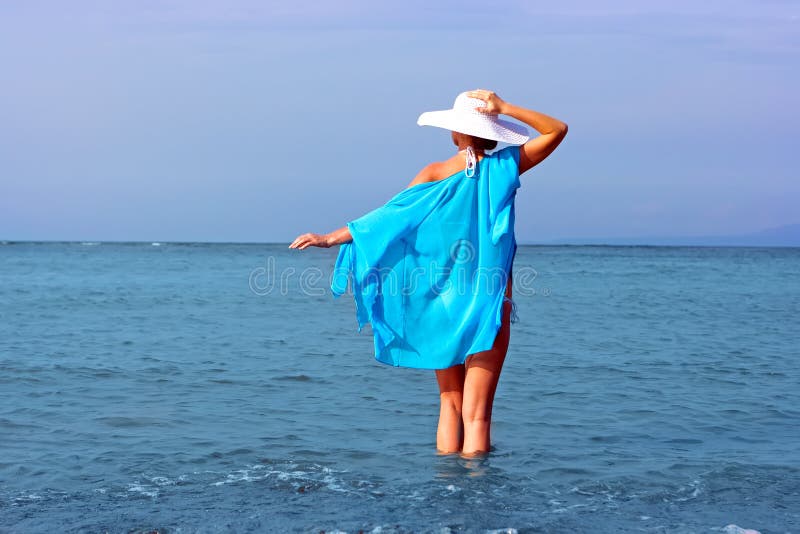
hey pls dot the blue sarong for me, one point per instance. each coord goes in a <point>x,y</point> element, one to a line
<point>428,270</point>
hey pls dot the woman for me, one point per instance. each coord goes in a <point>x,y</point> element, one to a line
<point>460,211</point>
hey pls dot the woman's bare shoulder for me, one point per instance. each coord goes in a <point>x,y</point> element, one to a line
<point>438,170</point>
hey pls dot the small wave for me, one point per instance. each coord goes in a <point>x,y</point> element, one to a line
<point>130,422</point>
<point>565,471</point>
<point>683,441</point>
<point>8,424</point>
<point>291,476</point>
<point>143,489</point>
<point>27,498</point>
<point>295,378</point>
<point>736,529</point>
<point>148,486</point>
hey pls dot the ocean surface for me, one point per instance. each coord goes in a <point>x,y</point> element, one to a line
<point>220,388</point>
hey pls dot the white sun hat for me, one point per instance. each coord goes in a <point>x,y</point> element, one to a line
<point>464,118</point>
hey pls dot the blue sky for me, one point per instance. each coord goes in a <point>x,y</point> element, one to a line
<point>257,121</point>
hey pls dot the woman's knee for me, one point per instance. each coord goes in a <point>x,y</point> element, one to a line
<point>477,408</point>
<point>452,400</point>
<point>472,416</point>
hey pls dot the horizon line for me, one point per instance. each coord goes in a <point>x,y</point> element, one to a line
<point>548,243</point>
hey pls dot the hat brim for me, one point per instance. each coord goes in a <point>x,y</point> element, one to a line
<point>479,125</point>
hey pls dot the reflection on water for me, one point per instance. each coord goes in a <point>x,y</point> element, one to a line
<point>457,466</point>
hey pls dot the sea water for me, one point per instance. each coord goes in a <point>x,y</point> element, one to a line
<point>221,388</point>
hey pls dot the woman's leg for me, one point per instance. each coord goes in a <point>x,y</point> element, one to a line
<point>482,372</point>
<point>450,434</point>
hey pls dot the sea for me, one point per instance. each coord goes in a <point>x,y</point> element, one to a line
<point>188,387</point>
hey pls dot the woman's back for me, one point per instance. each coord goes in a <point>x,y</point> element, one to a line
<point>430,268</point>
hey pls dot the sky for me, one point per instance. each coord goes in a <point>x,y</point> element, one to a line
<point>256,121</point>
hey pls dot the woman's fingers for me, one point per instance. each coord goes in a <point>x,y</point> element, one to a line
<point>489,97</point>
<point>483,94</point>
<point>304,241</point>
<point>298,241</point>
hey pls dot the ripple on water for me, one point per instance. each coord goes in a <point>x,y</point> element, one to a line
<point>294,378</point>
<point>131,422</point>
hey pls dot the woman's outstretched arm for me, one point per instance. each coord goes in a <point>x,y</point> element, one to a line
<point>337,237</point>
<point>534,151</point>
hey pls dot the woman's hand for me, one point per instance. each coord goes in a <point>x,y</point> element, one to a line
<point>337,237</point>
<point>494,104</point>
<point>535,150</point>
<point>311,240</point>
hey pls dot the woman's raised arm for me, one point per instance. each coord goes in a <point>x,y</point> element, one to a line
<point>534,151</point>
<point>337,237</point>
